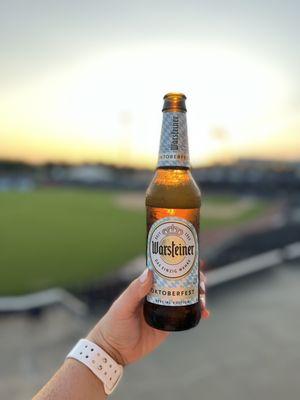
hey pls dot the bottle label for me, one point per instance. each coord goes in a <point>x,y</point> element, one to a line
<point>173,256</point>
<point>174,149</point>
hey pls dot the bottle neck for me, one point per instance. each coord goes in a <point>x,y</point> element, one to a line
<point>174,149</point>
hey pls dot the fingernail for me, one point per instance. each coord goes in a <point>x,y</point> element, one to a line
<point>144,275</point>
<point>205,313</point>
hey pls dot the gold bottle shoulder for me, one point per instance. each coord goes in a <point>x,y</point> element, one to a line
<point>173,188</point>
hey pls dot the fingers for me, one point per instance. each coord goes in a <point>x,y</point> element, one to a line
<point>203,277</point>
<point>131,298</point>
<point>204,311</point>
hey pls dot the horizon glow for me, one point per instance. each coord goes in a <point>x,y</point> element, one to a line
<point>106,107</point>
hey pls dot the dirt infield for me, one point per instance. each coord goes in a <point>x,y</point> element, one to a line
<point>226,210</point>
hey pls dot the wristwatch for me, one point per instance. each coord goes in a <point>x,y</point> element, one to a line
<point>99,362</point>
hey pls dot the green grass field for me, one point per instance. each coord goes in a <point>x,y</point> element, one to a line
<point>70,237</point>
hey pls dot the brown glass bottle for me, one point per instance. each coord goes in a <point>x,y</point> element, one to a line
<point>173,202</point>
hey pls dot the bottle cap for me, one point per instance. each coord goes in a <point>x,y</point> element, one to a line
<point>174,102</point>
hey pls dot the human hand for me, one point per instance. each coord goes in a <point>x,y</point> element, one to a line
<point>123,332</point>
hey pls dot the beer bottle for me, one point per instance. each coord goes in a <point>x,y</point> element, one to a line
<point>173,211</point>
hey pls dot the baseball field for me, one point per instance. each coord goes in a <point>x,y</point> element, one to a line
<point>70,237</point>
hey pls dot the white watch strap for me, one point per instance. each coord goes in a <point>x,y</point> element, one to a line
<point>99,362</point>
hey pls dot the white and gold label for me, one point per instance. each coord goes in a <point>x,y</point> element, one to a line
<point>172,255</point>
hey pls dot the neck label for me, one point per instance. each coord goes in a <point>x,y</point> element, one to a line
<point>174,149</point>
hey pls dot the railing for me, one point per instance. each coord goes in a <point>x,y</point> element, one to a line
<point>58,296</point>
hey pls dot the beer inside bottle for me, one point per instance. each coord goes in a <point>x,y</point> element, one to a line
<point>173,211</point>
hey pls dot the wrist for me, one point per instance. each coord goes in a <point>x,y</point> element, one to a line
<point>97,337</point>
<point>76,371</point>
<point>99,362</point>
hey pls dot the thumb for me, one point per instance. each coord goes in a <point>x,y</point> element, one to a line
<point>131,298</point>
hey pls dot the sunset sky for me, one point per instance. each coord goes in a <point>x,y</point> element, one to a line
<point>84,80</point>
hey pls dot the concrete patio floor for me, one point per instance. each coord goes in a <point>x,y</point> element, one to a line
<point>248,349</point>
